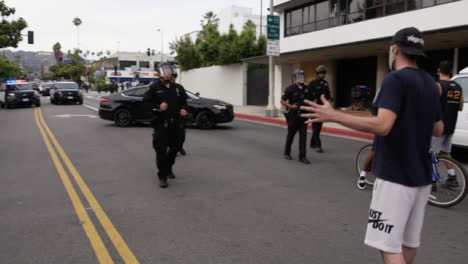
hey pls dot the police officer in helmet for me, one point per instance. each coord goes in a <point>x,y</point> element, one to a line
<point>174,77</point>
<point>169,102</point>
<point>293,97</point>
<point>318,87</point>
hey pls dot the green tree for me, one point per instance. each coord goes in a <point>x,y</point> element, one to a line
<point>209,25</point>
<point>57,49</point>
<point>10,30</point>
<point>73,70</point>
<point>188,56</point>
<point>77,22</point>
<point>9,70</point>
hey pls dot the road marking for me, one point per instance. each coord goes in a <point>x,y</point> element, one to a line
<point>96,242</point>
<point>90,107</point>
<point>69,115</point>
<point>122,247</point>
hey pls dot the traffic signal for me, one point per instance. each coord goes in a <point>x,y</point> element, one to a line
<point>148,52</point>
<point>30,37</point>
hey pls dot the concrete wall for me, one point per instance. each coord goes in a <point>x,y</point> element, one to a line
<point>453,14</point>
<point>227,83</point>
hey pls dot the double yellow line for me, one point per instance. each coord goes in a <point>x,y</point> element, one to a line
<point>94,238</point>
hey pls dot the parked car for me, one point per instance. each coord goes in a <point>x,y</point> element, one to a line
<point>45,88</point>
<point>35,87</point>
<point>15,93</point>
<point>65,92</point>
<point>127,107</point>
<point>460,137</point>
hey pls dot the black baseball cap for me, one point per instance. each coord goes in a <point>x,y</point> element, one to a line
<point>410,41</point>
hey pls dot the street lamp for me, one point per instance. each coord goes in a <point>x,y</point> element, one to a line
<point>162,48</point>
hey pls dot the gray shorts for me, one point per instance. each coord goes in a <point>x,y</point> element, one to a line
<point>442,143</point>
<point>396,216</point>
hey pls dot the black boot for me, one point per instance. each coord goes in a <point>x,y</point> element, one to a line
<point>163,183</point>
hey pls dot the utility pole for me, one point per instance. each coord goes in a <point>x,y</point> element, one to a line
<point>162,48</point>
<point>271,110</point>
<point>261,17</point>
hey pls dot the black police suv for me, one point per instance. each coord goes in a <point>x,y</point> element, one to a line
<point>127,107</point>
<point>45,87</point>
<point>65,92</point>
<point>14,94</point>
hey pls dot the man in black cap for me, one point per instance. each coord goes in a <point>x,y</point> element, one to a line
<point>293,97</point>
<point>408,115</point>
<point>318,87</point>
<point>169,101</point>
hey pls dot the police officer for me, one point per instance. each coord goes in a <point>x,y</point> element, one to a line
<point>318,87</point>
<point>292,99</point>
<point>174,77</point>
<point>169,102</point>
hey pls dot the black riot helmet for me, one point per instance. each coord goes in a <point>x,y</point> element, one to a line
<point>321,69</point>
<point>299,76</point>
<point>166,70</point>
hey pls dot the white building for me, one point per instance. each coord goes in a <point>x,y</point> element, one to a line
<point>351,37</point>
<point>238,16</point>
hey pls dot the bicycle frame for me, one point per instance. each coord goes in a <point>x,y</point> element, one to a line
<point>435,171</point>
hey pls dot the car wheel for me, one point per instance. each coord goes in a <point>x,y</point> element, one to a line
<point>6,105</point>
<point>38,104</point>
<point>80,101</point>
<point>2,105</point>
<point>122,118</point>
<point>204,120</point>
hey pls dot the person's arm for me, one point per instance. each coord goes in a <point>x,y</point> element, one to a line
<point>462,102</point>
<point>440,88</point>
<point>285,100</point>
<point>183,104</point>
<point>380,125</point>
<point>438,129</point>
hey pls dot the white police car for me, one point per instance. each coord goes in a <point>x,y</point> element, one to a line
<point>460,137</point>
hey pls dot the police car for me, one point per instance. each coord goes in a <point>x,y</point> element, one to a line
<point>18,93</point>
<point>460,137</point>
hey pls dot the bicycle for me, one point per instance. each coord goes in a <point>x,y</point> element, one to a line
<point>442,195</point>
<point>361,159</point>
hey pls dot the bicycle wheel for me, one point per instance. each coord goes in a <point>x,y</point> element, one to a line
<point>447,195</point>
<point>361,159</point>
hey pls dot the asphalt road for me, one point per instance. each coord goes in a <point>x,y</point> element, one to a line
<point>235,200</point>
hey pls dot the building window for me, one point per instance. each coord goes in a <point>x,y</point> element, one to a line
<point>144,64</point>
<point>332,13</point>
<point>127,64</point>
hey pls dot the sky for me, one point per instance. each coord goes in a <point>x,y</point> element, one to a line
<point>125,25</point>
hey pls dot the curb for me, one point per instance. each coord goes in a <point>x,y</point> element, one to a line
<point>326,130</point>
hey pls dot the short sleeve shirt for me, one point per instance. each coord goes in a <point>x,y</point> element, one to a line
<point>320,87</point>
<point>450,103</point>
<point>296,95</point>
<point>403,155</point>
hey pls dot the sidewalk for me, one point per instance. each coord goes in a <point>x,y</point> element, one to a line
<point>257,113</point>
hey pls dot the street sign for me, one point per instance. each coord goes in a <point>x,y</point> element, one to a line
<point>273,27</point>
<point>273,48</point>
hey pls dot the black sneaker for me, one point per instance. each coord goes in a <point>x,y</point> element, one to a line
<point>434,186</point>
<point>287,156</point>
<point>171,175</point>
<point>361,184</point>
<point>304,160</point>
<point>163,184</point>
<point>451,182</point>
<point>319,150</point>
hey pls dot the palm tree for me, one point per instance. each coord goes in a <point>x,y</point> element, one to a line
<point>77,22</point>
<point>57,49</point>
<point>209,24</point>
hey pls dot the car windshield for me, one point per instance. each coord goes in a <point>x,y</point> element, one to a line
<point>463,82</point>
<point>66,86</point>
<point>47,85</point>
<point>19,86</point>
<point>191,95</point>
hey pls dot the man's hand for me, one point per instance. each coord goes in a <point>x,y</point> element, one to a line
<point>293,107</point>
<point>319,113</point>
<point>183,112</point>
<point>163,106</point>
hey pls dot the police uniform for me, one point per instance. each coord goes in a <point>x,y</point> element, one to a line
<point>295,95</point>
<point>169,131</point>
<point>318,87</point>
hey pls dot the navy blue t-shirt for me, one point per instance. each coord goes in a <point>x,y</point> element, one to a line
<point>403,155</point>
